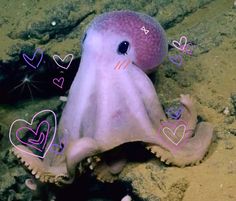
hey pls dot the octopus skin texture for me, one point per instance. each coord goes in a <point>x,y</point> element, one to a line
<point>109,106</point>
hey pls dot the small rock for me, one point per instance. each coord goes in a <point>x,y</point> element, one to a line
<point>126,198</point>
<point>229,145</point>
<point>226,111</point>
<point>229,120</point>
<point>63,98</point>
<point>31,184</point>
<point>53,23</point>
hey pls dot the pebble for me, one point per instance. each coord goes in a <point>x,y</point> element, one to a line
<point>229,145</point>
<point>226,111</point>
<point>63,98</point>
<point>31,184</point>
<point>53,23</point>
<point>126,198</point>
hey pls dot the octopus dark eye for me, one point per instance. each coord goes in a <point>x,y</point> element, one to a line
<point>123,47</point>
<point>84,38</point>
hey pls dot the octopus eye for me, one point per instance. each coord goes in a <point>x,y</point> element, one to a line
<point>84,37</point>
<point>123,47</point>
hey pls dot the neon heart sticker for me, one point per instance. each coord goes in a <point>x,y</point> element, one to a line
<point>58,82</point>
<point>181,44</point>
<point>40,143</point>
<point>33,62</point>
<point>68,57</point>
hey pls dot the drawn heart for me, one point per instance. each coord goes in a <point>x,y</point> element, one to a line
<point>34,62</point>
<point>174,114</point>
<point>42,138</point>
<point>176,59</point>
<point>189,49</point>
<point>172,135</point>
<point>58,82</point>
<point>39,140</point>
<point>60,62</point>
<point>181,44</point>
<point>59,148</point>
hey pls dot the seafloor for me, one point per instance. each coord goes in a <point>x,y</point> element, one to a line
<point>209,75</point>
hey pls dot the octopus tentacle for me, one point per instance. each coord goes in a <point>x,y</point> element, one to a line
<point>40,169</point>
<point>108,172</point>
<point>191,152</point>
<point>189,114</point>
<point>49,173</point>
<point>78,150</point>
<point>192,147</point>
<point>111,164</point>
<point>103,174</point>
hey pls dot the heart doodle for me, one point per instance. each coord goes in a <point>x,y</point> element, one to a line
<point>59,148</point>
<point>42,139</point>
<point>58,82</point>
<point>174,114</point>
<point>34,62</point>
<point>68,57</point>
<point>176,135</point>
<point>181,44</point>
<point>38,140</point>
<point>176,59</point>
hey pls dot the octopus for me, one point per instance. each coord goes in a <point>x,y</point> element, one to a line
<point>112,102</point>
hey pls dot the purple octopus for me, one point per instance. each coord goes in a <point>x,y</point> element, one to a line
<point>107,108</point>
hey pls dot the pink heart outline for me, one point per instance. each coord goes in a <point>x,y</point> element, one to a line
<point>35,133</point>
<point>68,55</point>
<point>31,123</point>
<point>178,44</point>
<point>58,82</point>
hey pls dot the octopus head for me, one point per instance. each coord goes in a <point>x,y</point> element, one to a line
<point>119,34</point>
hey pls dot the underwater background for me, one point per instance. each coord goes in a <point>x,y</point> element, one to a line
<point>209,75</point>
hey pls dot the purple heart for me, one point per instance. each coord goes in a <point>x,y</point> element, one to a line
<point>41,141</point>
<point>34,60</point>
<point>176,59</point>
<point>174,114</point>
<point>61,146</point>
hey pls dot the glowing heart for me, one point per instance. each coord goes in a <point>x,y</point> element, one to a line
<point>172,134</point>
<point>34,62</point>
<point>39,140</point>
<point>60,62</point>
<point>181,44</point>
<point>58,82</point>
<point>176,59</point>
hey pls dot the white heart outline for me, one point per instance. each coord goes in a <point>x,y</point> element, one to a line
<point>57,56</point>
<point>32,120</point>
<point>163,130</point>
<point>179,43</point>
